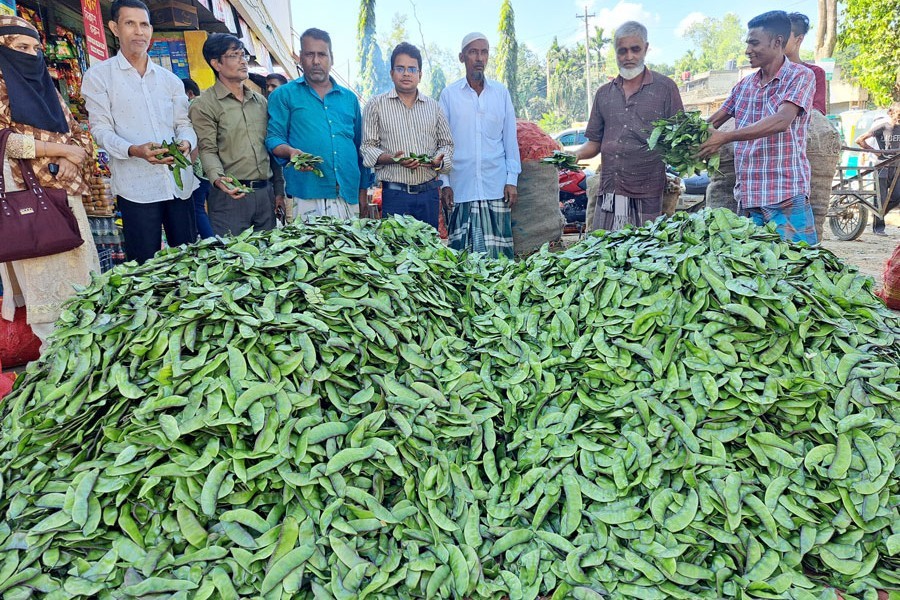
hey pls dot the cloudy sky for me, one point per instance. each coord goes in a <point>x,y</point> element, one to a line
<point>537,21</point>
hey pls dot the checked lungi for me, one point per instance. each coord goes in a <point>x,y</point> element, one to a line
<point>616,211</point>
<point>482,226</point>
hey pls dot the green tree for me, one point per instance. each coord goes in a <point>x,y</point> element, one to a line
<point>598,43</point>
<point>531,85</point>
<point>553,122</point>
<point>508,52</point>
<point>872,29</point>
<point>716,41</point>
<point>438,81</point>
<point>566,93</point>
<point>368,51</point>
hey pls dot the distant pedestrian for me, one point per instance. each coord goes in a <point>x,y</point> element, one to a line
<point>885,131</point>
<point>204,229</point>
<point>482,188</point>
<point>274,81</point>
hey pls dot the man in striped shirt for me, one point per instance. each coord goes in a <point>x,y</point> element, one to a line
<point>401,123</point>
<point>771,113</point>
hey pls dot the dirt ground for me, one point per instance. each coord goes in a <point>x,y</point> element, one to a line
<point>870,252</point>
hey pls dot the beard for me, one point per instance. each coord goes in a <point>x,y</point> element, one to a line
<point>478,75</point>
<point>631,73</point>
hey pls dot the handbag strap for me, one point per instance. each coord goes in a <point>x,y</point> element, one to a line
<point>28,175</point>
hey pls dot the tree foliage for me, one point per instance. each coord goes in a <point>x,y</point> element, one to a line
<point>367,82</point>
<point>715,42</point>
<point>373,71</point>
<point>438,81</point>
<point>566,93</point>
<point>872,28</point>
<point>508,52</point>
<point>531,92</point>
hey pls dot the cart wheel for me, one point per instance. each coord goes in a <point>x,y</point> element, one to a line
<point>848,222</point>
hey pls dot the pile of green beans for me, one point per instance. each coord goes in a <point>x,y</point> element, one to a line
<point>692,409</point>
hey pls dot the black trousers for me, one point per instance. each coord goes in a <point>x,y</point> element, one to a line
<point>230,217</point>
<point>892,202</point>
<point>142,225</point>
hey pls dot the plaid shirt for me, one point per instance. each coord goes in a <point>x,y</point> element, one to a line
<point>772,169</point>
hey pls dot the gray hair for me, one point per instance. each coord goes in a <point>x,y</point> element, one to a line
<point>629,29</point>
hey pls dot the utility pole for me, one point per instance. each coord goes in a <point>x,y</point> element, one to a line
<point>587,57</point>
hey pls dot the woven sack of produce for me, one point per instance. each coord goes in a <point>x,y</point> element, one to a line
<point>720,192</point>
<point>536,219</point>
<point>18,344</point>
<point>890,293</point>
<point>823,149</point>
<point>534,143</point>
<point>593,191</point>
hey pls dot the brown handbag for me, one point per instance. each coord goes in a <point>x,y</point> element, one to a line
<point>36,221</point>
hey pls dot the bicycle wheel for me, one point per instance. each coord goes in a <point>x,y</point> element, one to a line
<point>848,222</point>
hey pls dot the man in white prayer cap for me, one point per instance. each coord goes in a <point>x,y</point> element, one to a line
<point>481,188</point>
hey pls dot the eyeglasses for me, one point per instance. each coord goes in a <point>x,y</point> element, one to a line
<point>243,56</point>
<point>400,70</point>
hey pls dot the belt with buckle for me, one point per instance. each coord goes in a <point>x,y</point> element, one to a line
<point>256,184</point>
<point>411,188</point>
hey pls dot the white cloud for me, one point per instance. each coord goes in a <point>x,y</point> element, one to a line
<point>694,17</point>
<point>610,18</point>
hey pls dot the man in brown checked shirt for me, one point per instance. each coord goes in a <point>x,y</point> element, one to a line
<point>633,177</point>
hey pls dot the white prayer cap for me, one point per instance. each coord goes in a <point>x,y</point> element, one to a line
<point>471,38</point>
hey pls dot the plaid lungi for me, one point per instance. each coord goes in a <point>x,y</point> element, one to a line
<point>482,226</point>
<point>793,219</point>
<point>615,211</point>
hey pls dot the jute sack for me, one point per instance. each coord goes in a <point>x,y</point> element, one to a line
<point>823,149</point>
<point>536,218</point>
<point>593,191</point>
<point>720,192</point>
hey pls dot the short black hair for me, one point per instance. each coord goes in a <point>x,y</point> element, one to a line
<point>191,86</point>
<point>218,44</point>
<point>409,50</point>
<point>318,34</point>
<point>281,78</point>
<point>775,22</point>
<point>799,23</point>
<point>118,5</point>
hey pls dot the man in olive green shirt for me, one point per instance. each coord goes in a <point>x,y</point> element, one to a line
<point>230,121</point>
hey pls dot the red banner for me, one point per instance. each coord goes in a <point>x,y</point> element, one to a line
<point>94,34</point>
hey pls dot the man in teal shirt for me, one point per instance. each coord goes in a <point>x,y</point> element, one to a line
<point>316,115</point>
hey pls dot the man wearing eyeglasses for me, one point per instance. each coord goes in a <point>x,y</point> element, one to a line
<point>316,115</point>
<point>398,124</point>
<point>230,120</point>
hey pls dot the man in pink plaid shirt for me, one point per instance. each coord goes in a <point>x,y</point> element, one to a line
<point>771,112</point>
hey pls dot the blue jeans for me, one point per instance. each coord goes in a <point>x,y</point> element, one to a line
<point>199,199</point>
<point>424,206</point>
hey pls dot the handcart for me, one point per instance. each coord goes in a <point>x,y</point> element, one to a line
<point>856,191</point>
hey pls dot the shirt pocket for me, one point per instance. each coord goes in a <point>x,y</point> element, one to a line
<point>493,126</point>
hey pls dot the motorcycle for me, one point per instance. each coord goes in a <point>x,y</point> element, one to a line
<point>573,196</point>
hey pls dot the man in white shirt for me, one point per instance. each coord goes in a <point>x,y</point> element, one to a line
<point>134,105</point>
<point>481,188</point>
